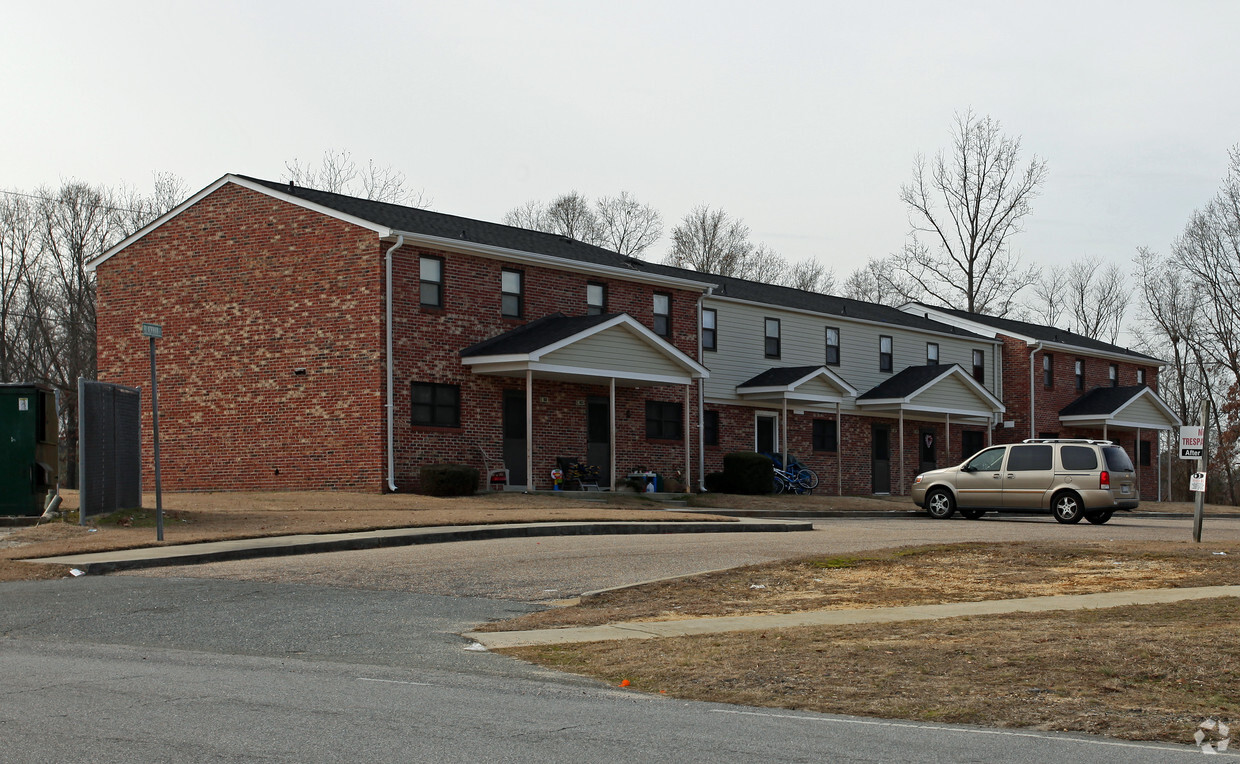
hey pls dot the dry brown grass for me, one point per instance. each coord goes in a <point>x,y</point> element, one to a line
<point>195,517</point>
<point>910,576</point>
<point>1149,673</point>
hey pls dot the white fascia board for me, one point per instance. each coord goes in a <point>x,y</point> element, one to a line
<point>981,328</point>
<point>983,413</point>
<point>533,258</point>
<point>1088,419</point>
<point>624,319</point>
<point>491,360</point>
<point>831,377</point>
<point>257,187</point>
<point>788,393</point>
<point>662,379</point>
<point>882,402</point>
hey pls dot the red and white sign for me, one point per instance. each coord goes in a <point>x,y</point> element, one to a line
<point>1192,441</point>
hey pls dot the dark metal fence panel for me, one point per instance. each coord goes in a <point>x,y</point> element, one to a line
<point>109,447</point>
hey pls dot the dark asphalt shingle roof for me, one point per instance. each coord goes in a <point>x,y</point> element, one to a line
<point>779,376</point>
<point>538,333</point>
<point>907,382</point>
<point>1102,400</point>
<point>1044,333</point>
<point>414,220</point>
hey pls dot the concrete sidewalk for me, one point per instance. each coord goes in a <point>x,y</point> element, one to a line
<point>274,546</point>
<point>697,626</point>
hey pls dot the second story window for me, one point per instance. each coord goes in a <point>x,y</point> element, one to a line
<point>833,346</point>
<point>430,275</point>
<point>885,360</point>
<point>1140,376</point>
<point>510,289</point>
<point>1113,374</point>
<point>772,338</point>
<point>1048,371</point>
<point>662,314</point>
<point>710,323</point>
<point>1080,375</point>
<point>979,366</point>
<point>596,299</point>
<point>932,354</point>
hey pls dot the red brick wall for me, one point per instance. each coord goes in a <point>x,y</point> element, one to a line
<point>428,344</point>
<point>248,289</point>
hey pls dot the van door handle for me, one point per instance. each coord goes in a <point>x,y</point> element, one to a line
<point>997,476</point>
<point>1011,476</point>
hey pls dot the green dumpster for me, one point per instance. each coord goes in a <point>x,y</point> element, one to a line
<point>29,449</point>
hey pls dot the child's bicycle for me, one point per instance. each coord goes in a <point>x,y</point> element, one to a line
<point>796,478</point>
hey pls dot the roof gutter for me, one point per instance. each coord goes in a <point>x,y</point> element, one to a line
<point>391,374</point>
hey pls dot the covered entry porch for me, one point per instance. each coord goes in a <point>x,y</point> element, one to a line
<point>603,353</point>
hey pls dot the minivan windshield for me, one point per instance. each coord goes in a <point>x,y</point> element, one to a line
<point>1117,459</point>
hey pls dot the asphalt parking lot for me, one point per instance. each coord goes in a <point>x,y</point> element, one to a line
<point>548,569</point>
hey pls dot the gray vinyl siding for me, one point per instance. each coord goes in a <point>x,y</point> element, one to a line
<point>952,394</point>
<point>1143,410</point>
<point>613,349</point>
<point>740,354</point>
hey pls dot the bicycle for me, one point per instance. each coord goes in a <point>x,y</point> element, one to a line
<point>797,478</point>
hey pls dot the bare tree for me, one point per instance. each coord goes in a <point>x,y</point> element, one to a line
<point>626,225</point>
<point>338,173</point>
<point>963,208</point>
<point>19,234</point>
<point>572,215</point>
<point>1097,298</point>
<point>811,275</point>
<point>877,282</point>
<point>710,241</point>
<point>1050,298</point>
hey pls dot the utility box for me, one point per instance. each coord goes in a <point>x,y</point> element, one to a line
<point>29,448</point>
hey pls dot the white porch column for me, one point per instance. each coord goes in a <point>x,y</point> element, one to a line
<point>1138,460</point>
<point>839,453</point>
<point>947,449</point>
<point>901,491</point>
<point>783,435</point>
<point>611,416</point>
<point>688,481</point>
<point>529,429</point>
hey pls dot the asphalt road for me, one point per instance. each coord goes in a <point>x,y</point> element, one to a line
<point>236,668</point>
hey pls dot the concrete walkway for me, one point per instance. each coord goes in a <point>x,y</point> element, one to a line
<point>696,626</point>
<point>275,546</point>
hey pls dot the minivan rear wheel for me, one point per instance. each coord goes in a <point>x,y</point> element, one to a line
<point>939,504</point>
<point>1067,508</point>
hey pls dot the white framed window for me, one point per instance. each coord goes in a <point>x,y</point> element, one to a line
<point>932,354</point>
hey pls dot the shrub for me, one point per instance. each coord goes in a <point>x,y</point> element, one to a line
<point>717,482</point>
<point>748,472</point>
<point>449,479</point>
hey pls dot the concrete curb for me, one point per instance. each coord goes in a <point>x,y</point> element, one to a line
<point>697,626</point>
<point>826,514</point>
<point>275,546</point>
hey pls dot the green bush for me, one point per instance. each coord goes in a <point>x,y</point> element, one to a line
<point>717,482</point>
<point>748,472</point>
<point>449,479</point>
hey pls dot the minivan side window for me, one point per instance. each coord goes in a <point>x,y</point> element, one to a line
<point>987,461</point>
<point>1078,458</point>
<point>1117,459</point>
<point>1030,458</point>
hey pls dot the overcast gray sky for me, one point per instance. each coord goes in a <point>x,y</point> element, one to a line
<point>801,118</point>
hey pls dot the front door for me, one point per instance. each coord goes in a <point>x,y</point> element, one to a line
<point>928,446</point>
<point>514,436</point>
<point>598,438</point>
<point>880,461</point>
<point>766,435</point>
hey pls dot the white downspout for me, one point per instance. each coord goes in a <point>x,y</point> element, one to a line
<point>1033,395</point>
<point>701,407</point>
<point>391,374</point>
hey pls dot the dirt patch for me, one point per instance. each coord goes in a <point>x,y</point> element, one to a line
<point>196,517</point>
<point>909,576</point>
<point>1149,673</point>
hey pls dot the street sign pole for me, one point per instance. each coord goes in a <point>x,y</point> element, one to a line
<point>1199,508</point>
<point>153,331</point>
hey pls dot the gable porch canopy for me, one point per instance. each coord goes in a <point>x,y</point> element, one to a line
<point>945,391</point>
<point>1134,407</point>
<point>797,384</point>
<point>585,349</point>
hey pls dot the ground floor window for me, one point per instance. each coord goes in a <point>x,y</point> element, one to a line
<point>436,405</point>
<point>710,428</point>
<point>1145,449</point>
<point>971,441</point>
<point>825,435</point>
<point>663,420</point>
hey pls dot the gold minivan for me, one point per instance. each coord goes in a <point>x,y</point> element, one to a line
<point>1073,479</point>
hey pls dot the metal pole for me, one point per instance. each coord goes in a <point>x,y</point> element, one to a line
<point>1200,502</point>
<point>159,496</point>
